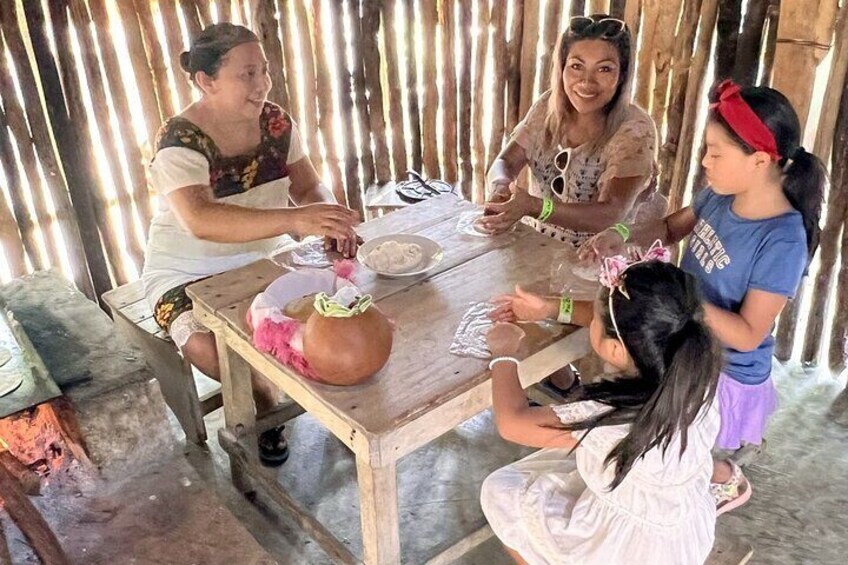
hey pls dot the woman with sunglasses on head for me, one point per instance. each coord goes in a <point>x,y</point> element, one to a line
<point>591,152</point>
<point>752,232</point>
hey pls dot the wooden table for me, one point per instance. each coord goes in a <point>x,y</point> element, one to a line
<point>422,393</point>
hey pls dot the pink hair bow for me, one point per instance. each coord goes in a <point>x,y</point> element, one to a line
<point>612,273</point>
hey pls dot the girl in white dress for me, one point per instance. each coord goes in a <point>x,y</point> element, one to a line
<point>637,489</point>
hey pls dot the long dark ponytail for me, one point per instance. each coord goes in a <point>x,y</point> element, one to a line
<point>804,174</point>
<point>678,361</point>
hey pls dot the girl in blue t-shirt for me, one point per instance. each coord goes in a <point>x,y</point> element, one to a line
<point>752,233</point>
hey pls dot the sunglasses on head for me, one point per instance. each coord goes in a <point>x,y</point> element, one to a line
<point>561,163</point>
<point>606,28</point>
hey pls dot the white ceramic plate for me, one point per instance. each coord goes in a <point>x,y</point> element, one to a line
<point>431,252</point>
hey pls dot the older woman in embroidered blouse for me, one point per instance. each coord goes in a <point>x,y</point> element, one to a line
<point>225,171</point>
<point>585,125</point>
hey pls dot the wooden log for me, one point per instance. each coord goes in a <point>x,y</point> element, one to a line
<point>794,75</point>
<point>204,9</point>
<point>772,24</point>
<point>663,45</point>
<point>749,46</point>
<point>151,112</point>
<point>225,11</point>
<point>290,57</point>
<point>42,138</point>
<point>155,57</point>
<point>29,521</point>
<point>598,6</point>
<point>633,16</point>
<point>395,92</point>
<point>343,79</point>
<point>729,18</point>
<point>371,61</point>
<point>447,21</point>
<point>192,19</point>
<point>132,153</point>
<point>466,23</point>
<point>480,55</point>
<point>309,119</point>
<point>498,21</point>
<point>837,212</point>
<point>834,93</point>
<point>839,332</point>
<point>709,13</point>
<point>681,60</point>
<point>265,26</point>
<point>412,109</point>
<point>617,8</point>
<point>529,57</point>
<point>29,480</point>
<point>10,237</point>
<point>513,87</point>
<point>176,45</point>
<point>645,66</point>
<point>29,166</point>
<point>72,151</point>
<point>326,109</point>
<point>577,8</point>
<point>23,217</point>
<point>550,35</point>
<point>429,17</point>
<point>5,556</point>
<point>366,155</point>
<point>109,141</point>
<point>76,108</point>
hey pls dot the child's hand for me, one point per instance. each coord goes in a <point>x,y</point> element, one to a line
<point>504,339</point>
<point>523,306</point>
<point>604,244</point>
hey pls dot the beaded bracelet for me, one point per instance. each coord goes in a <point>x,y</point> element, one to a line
<point>547,209</point>
<point>498,359</point>
<point>623,231</point>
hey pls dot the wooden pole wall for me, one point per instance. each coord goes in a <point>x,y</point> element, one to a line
<point>430,145</point>
<point>447,22</point>
<point>480,54</point>
<point>513,96</point>
<point>395,90</point>
<point>372,62</point>
<point>466,22</point>
<point>498,42</point>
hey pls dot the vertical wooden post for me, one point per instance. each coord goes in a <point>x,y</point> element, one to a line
<point>578,8</point>
<point>395,92</point>
<point>326,109</point>
<point>343,78</point>
<point>156,58</point>
<point>265,26</point>
<point>71,151</point>
<point>663,44</point>
<point>225,10</point>
<point>291,60</point>
<point>371,60</point>
<point>308,121</point>
<point>368,165</point>
<point>839,331</point>
<point>479,146</point>
<point>550,36</point>
<point>192,19</point>
<point>466,22</point>
<point>729,18</point>
<point>773,22</point>
<point>174,39</point>
<point>499,82</point>
<point>132,153</point>
<point>412,86</point>
<point>794,75</point>
<point>645,69</point>
<point>447,18</point>
<point>598,6</point>
<point>749,45</point>
<point>618,8</point>
<point>633,16</point>
<point>530,35</point>
<point>10,237</point>
<point>682,58</point>
<point>513,97</point>
<point>431,93</point>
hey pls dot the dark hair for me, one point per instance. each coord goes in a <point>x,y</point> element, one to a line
<point>677,358</point>
<point>804,174</point>
<point>621,41</point>
<point>210,47</point>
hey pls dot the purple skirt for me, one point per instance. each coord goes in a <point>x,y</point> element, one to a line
<point>745,411</point>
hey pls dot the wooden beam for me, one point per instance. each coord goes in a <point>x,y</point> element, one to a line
<point>729,19</point>
<point>447,21</point>
<point>371,60</point>
<point>513,87</point>
<point>429,18</point>
<point>550,37</point>
<point>395,90</point>
<point>530,35</point>
<point>266,27</point>
<point>417,151</point>
<point>176,45</point>
<point>499,80</point>
<point>749,45</point>
<point>362,110</point>
<point>478,145</point>
<point>466,22</point>
<point>309,119</point>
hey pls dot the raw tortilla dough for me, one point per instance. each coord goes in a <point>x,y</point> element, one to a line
<point>395,257</point>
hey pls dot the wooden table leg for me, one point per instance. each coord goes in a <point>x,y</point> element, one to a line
<point>379,512</point>
<point>239,409</point>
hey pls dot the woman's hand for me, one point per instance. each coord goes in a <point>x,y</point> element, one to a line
<point>347,247</point>
<point>602,245</point>
<point>498,218</point>
<point>504,340</point>
<point>328,220</point>
<point>524,306</point>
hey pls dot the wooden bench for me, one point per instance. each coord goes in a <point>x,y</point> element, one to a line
<point>134,319</point>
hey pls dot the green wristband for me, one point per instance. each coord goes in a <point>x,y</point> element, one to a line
<point>547,209</point>
<point>623,231</point>
<point>566,309</point>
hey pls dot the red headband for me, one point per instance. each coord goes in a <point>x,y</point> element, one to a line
<point>743,121</point>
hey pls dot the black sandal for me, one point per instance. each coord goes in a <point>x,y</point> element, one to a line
<point>273,447</point>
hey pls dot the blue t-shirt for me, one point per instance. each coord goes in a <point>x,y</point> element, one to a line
<point>730,255</point>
